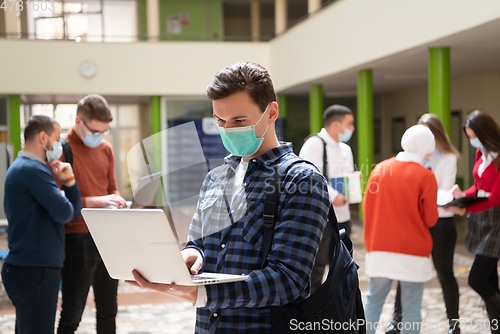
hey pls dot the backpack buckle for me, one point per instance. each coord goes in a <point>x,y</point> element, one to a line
<point>268,220</point>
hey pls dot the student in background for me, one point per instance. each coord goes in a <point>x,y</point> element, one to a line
<point>443,163</point>
<point>37,211</point>
<point>483,229</point>
<point>400,206</point>
<point>94,166</point>
<point>338,128</point>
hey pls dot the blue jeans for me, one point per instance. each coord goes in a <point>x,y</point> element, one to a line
<point>411,300</point>
<point>33,291</point>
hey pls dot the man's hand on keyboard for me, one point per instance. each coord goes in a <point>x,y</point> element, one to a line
<point>193,259</point>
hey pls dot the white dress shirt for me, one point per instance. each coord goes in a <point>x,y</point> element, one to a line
<point>340,161</point>
<point>444,167</point>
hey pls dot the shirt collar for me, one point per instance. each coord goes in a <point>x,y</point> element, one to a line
<point>270,157</point>
<point>326,136</point>
<point>30,155</point>
<point>74,137</point>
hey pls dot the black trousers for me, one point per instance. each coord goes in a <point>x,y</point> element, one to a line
<point>483,276</point>
<point>84,267</point>
<point>444,237</point>
<point>33,292</point>
<point>325,254</point>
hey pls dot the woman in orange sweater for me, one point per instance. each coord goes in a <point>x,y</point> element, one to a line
<point>443,163</point>
<point>483,228</point>
<point>400,206</point>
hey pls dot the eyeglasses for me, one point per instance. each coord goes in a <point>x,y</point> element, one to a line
<point>95,133</point>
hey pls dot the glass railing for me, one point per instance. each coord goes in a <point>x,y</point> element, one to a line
<point>58,27</point>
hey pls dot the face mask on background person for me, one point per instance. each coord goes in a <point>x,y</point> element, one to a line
<point>475,142</point>
<point>91,140</point>
<point>346,136</point>
<point>242,141</point>
<point>55,153</point>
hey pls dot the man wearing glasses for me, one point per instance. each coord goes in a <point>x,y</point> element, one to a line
<point>93,165</point>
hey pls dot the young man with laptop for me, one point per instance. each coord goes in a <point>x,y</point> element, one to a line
<point>227,228</point>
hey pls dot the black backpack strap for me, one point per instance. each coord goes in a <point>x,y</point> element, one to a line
<point>68,154</point>
<point>269,214</point>
<point>271,206</point>
<point>325,159</point>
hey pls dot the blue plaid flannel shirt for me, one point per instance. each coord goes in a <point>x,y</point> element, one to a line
<point>230,237</point>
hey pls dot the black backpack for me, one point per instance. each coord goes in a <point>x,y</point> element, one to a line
<point>67,153</point>
<point>337,305</point>
<point>325,159</point>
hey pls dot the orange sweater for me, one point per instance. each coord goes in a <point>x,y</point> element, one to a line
<point>94,170</point>
<point>400,205</point>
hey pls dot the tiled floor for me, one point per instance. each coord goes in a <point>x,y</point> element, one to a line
<point>145,312</point>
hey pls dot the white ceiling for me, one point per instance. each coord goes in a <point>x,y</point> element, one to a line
<point>473,51</point>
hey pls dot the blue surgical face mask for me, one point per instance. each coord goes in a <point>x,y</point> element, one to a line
<point>346,136</point>
<point>91,140</point>
<point>475,142</point>
<point>242,141</point>
<point>55,153</point>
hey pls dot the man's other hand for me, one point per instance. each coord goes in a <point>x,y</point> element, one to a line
<point>187,293</point>
<point>104,201</point>
<point>62,170</point>
<point>340,200</point>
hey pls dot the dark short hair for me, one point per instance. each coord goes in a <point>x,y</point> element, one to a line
<point>37,124</point>
<point>334,113</point>
<point>94,107</point>
<point>485,128</point>
<point>248,77</point>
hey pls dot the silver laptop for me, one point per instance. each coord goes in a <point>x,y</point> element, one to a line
<point>142,239</point>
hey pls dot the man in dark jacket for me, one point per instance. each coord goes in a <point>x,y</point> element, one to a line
<point>37,211</point>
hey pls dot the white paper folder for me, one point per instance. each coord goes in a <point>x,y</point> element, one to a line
<point>348,185</point>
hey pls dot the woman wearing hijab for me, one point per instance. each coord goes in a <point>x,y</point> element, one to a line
<point>400,205</point>
<point>443,163</point>
<point>483,229</point>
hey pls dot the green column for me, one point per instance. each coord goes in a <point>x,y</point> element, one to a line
<point>283,105</point>
<point>283,114</point>
<point>155,105</point>
<point>15,122</point>
<point>365,128</point>
<point>315,108</point>
<point>439,85</point>
<point>142,19</point>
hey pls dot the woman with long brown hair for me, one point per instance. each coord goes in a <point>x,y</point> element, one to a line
<point>443,163</point>
<point>483,229</point>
